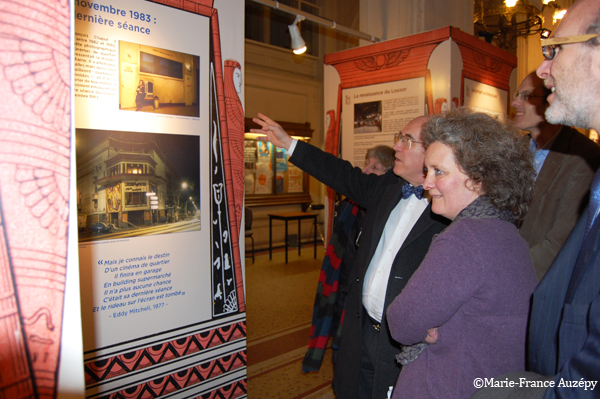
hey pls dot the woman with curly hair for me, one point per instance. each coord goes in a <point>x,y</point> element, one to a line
<point>463,314</point>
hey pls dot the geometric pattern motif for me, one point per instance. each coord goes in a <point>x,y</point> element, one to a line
<point>382,61</point>
<point>231,391</point>
<point>105,369</point>
<point>186,378</point>
<point>227,275</point>
<point>487,63</point>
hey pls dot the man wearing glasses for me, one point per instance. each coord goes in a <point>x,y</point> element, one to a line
<point>566,161</point>
<point>564,327</point>
<point>397,231</point>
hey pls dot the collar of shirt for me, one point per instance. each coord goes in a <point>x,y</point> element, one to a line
<point>539,156</point>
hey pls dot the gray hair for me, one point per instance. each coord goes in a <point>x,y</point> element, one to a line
<point>385,154</point>
<point>491,153</point>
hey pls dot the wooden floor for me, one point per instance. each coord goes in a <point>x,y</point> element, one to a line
<point>279,300</point>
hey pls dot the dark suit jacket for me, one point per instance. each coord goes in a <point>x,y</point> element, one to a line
<point>379,195</point>
<point>564,332</point>
<point>561,195</point>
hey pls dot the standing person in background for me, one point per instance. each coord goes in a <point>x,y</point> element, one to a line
<point>564,325</point>
<point>463,314</point>
<point>339,257</point>
<point>397,231</point>
<point>565,161</point>
<point>140,94</point>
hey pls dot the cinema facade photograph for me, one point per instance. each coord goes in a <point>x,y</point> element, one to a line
<point>129,180</point>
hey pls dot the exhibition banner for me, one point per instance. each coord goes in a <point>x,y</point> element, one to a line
<point>371,115</point>
<point>158,209</point>
<point>481,97</point>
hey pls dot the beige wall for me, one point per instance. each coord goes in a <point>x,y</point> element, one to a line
<point>286,87</point>
<point>289,88</point>
<point>391,19</point>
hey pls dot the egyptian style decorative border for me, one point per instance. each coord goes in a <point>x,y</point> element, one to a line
<point>187,378</point>
<point>111,367</point>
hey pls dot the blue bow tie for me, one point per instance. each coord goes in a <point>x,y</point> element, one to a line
<point>408,190</point>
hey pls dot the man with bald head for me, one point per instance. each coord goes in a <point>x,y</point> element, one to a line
<point>566,161</point>
<point>397,231</point>
<point>563,355</point>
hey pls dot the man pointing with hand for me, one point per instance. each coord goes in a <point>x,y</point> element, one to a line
<point>397,231</point>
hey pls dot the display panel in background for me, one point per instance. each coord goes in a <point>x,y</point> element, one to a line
<point>268,170</point>
<point>481,97</point>
<point>371,115</point>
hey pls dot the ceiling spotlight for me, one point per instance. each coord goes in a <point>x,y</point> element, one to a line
<point>510,3</point>
<point>298,45</point>
<point>545,33</point>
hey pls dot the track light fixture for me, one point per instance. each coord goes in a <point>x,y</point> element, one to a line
<point>545,33</point>
<point>298,45</point>
<point>319,20</point>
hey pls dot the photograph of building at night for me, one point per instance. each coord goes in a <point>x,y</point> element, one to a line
<point>131,184</point>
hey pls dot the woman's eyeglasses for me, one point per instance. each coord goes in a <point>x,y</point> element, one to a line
<point>551,46</point>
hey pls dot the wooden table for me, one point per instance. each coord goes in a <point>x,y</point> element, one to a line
<point>287,216</point>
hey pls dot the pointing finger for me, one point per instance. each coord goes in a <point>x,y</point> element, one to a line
<point>259,122</point>
<point>266,119</point>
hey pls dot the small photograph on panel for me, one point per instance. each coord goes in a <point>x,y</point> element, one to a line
<point>158,81</point>
<point>132,184</point>
<point>367,117</point>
